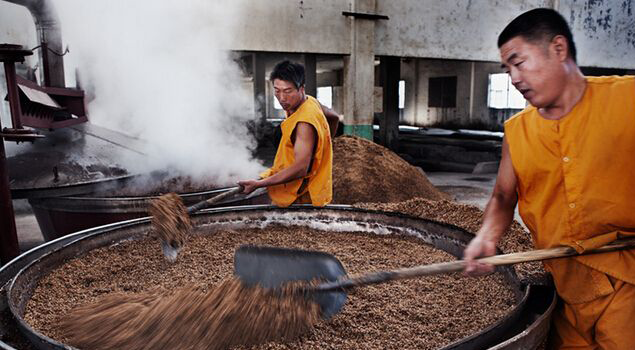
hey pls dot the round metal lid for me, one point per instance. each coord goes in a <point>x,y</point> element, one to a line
<point>69,161</point>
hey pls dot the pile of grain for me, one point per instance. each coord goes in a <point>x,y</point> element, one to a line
<point>364,171</point>
<point>470,218</point>
<point>228,315</point>
<point>424,313</point>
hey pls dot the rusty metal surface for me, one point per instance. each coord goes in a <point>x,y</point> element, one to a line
<point>50,107</point>
<point>333,218</point>
<point>13,53</point>
<point>537,321</point>
<point>8,234</point>
<point>9,54</point>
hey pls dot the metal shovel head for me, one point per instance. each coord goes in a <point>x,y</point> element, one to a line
<point>271,267</point>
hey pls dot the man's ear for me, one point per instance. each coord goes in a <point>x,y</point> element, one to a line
<point>560,47</point>
<point>301,89</point>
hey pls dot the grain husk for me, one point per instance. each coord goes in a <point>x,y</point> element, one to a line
<point>364,171</point>
<point>424,313</point>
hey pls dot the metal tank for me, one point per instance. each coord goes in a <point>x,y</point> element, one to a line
<point>524,327</point>
<point>59,216</point>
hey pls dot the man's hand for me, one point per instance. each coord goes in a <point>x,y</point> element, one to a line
<point>480,246</point>
<point>498,215</point>
<point>249,185</point>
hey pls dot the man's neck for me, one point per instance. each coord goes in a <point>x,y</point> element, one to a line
<point>291,111</point>
<point>571,95</point>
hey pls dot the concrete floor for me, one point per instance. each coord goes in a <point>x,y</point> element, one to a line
<point>463,187</point>
<point>29,234</point>
<point>468,188</point>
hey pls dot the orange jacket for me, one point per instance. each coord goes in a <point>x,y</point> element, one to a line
<point>319,186</point>
<point>576,184</point>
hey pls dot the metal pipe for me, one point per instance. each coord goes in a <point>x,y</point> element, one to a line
<point>49,33</point>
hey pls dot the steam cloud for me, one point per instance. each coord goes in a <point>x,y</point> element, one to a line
<point>16,27</point>
<point>157,70</point>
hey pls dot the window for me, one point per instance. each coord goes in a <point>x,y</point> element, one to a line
<point>402,94</point>
<point>325,96</point>
<point>276,104</point>
<point>502,94</point>
<point>442,92</point>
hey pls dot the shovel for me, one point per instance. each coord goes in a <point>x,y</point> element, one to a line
<point>206,203</point>
<point>271,267</point>
<point>173,236</point>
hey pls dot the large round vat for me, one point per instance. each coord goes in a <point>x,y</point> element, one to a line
<point>59,216</point>
<point>524,326</point>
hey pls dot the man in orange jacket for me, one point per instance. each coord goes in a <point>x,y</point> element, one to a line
<point>568,162</point>
<point>302,169</point>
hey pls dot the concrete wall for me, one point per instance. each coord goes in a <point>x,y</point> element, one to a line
<point>455,29</point>
<point>294,26</point>
<point>452,29</point>
<point>603,30</point>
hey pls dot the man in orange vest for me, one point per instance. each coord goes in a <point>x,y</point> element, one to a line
<point>302,169</point>
<point>568,162</point>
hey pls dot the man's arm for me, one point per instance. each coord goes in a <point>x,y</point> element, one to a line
<point>305,141</point>
<point>332,118</point>
<point>498,215</point>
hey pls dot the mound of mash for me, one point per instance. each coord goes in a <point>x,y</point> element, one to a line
<point>364,171</point>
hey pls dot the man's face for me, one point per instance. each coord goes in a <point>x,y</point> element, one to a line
<point>288,95</point>
<point>535,70</point>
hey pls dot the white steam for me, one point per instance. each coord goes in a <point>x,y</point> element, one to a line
<point>16,27</point>
<point>157,71</point>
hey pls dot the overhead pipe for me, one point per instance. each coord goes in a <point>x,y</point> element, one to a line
<point>50,38</point>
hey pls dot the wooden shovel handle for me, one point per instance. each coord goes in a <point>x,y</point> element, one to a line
<point>204,204</point>
<point>459,265</point>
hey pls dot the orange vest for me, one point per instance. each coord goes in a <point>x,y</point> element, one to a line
<point>576,184</point>
<point>318,187</point>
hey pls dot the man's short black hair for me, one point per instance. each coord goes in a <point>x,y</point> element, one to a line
<point>536,25</point>
<point>289,71</point>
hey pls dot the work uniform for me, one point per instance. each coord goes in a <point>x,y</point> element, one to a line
<point>576,187</point>
<point>316,187</point>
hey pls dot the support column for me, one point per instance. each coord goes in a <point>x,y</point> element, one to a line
<point>8,234</point>
<point>359,73</point>
<point>9,249</point>
<point>13,94</point>
<point>390,68</point>
<point>471,110</point>
<point>310,73</point>
<point>258,74</point>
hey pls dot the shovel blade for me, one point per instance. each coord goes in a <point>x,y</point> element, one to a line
<point>271,267</point>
